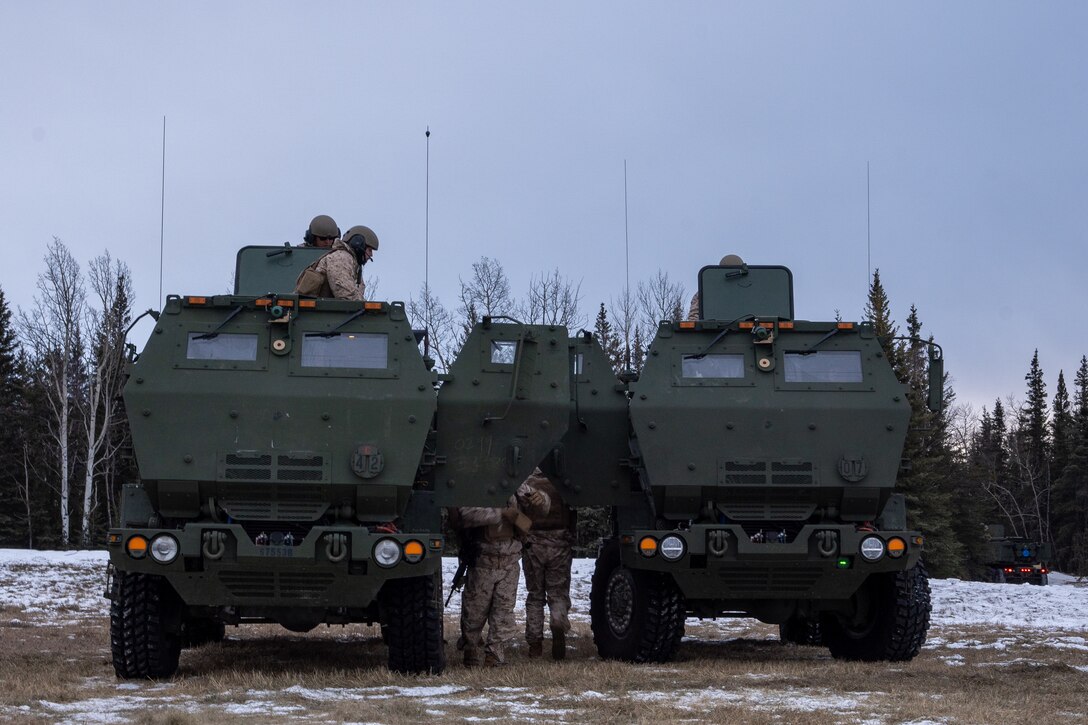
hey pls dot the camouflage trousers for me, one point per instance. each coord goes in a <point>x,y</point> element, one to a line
<point>489,597</point>
<point>547,579</point>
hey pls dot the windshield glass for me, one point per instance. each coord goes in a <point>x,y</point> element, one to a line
<point>823,367</point>
<point>345,350</point>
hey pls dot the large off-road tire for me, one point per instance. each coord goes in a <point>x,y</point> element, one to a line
<point>892,623</point>
<point>801,630</point>
<point>635,616</point>
<point>145,623</point>
<point>198,631</point>
<point>411,618</point>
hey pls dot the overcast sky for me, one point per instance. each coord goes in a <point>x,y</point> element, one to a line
<point>746,128</point>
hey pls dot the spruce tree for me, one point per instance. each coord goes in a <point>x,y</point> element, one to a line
<point>12,413</point>
<point>1033,418</point>
<point>608,339</point>
<point>1062,430</point>
<point>1070,491</point>
<point>931,481</point>
<point>878,313</point>
<point>1080,400</point>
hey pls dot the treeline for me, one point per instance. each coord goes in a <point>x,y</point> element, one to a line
<point>64,444</point>
<point>65,451</point>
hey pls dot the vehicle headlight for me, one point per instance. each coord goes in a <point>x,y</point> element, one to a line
<point>387,552</point>
<point>872,548</point>
<point>672,547</point>
<point>164,548</point>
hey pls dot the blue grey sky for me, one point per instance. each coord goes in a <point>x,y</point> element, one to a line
<point>746,128</point>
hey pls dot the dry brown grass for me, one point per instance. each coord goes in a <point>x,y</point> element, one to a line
<point>263,673</point>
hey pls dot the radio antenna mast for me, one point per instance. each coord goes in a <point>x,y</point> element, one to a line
<point>627,265</point>
<point>868,233</point>
<point>162,207</point>
<point>427,247</point>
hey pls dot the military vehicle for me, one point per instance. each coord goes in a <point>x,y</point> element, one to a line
<point>751,468</point>
<point>284,446</point>
<point>1016,559</point>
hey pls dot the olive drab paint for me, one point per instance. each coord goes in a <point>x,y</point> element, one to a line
<point>765,451</point>
<point>278,439</point>
<point>295,454</point>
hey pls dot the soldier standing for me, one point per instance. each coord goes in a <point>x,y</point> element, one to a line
<point>547,562</point>
<point>491,586</point>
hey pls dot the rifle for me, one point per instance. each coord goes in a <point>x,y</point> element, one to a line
<point>458,578</point>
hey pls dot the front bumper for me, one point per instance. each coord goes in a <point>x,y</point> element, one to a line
<point>723,562</point>
<point>219,565</point>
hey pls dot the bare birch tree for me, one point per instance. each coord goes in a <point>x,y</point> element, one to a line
<point>112,284</point>
<point>487,292</point>
<point>51,334</point>
<point>427,312</point>
<point>659,299</point>
<point>553,300</point>
<point>625,328</point>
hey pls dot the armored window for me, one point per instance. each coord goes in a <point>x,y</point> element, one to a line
<point>221,346</point>
<point>577,364</point>
<point>345,350</point>
<point>503,351</point>
<point>823,367</point>
<point>713,366</point>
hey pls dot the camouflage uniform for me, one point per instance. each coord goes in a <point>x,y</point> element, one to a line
<point>491,584</point>
<point>341,271</point>
<point>547,563</point>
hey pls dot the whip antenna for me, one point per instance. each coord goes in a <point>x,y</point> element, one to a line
<point>868,233</point>
<point>162,206</point>
<point>427,246</point>
<point>627,264</point>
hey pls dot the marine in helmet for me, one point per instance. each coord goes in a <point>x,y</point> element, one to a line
<point>336,274</point>
<point>321,233</point>
<point>729,260</point>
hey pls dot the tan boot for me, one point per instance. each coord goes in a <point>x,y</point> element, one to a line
<point>472,657</point>
<point>536,649</point>
<point>559,644</point>
<point>492,661</point>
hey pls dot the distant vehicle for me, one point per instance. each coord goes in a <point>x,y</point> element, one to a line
<point>753,475</point>
<point>1016,559</point>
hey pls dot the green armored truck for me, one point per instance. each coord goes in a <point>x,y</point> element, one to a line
<point>1017,559</point>
<point>754,476</point>
<point>286,451</point>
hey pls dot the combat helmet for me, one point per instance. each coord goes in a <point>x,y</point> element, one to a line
<point>358,238</point>
<point>321,225</point>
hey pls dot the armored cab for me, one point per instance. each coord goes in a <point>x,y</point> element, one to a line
<point>765,451</point>
<point>285,448</point>
<point>1017,559</point>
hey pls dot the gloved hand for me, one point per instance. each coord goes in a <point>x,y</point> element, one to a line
<point>536,498</point>
<point>509,514</point>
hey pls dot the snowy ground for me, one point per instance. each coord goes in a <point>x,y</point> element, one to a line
<point>63,589</point>
<point>56,583</point>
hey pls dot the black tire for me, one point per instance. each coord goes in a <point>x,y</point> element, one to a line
<point>801,630</point>
<point>411,619</point>
<point>894,619</point>
<point>635,616</point>
<point>199,631</point>
<point>145,623</point>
